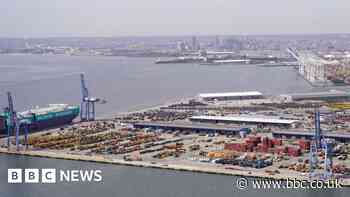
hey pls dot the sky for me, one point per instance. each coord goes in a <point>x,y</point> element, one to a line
<point>52,18</point>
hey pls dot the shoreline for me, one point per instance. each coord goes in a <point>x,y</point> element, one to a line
<point>152,107</point>
<point>144,164</point>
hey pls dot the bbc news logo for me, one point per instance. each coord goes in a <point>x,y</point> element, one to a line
<point>31,175</point>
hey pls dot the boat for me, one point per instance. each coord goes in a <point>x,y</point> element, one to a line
<point>227,61</point>
<point>40,118</point>
<point>181,60</point>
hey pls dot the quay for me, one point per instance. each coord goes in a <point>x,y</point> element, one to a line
<point>178,167</point>
<point>259,141</point>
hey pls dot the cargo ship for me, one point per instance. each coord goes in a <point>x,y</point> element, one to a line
<point>53,115</point>
<point>181,60</point>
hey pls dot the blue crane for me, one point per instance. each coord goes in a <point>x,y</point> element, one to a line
<point>315,145</point>
<point>313,160</point>
<point>318,132</point>
<point>11,120</point>
<point>14,123</point>
<point>327,145</point>
<point>320,143</point>
<point>87,105</point>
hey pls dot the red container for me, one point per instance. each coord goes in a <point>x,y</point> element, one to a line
<point>250,147</point>
<point>262,148</point>
<point>235,146</point>
<point>295,154</point>
<point>259,147</point>
<point>243,147</point>
<point>277,142</point>
<point>265,140</point>
<point>304,144</point>
<point>268,142</point>
<point>281,150</point>
<point>294,151</point>
<point>265,145</point>
<point>255,139</point>
<point>265,150</point>
<point>250,142</point>
<point>229,146</point>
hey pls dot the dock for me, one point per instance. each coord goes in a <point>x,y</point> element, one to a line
<point>178,167</point>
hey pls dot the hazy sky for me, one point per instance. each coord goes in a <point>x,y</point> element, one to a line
<point>37,18</point>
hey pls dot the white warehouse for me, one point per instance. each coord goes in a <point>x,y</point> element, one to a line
<point>231,96</point>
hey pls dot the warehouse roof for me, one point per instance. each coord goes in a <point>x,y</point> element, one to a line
<point>252,119</point>
<point>230,94</point>
<point>319,94</point>
<point>311,134</point>
<point>185,125</point>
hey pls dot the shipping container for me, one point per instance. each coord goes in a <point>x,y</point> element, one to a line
<point>277,142</point>
<point>304,144</point>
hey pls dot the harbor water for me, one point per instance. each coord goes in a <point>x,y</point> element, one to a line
<point>129,84</point>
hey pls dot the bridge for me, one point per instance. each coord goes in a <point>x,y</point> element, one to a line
<point>311,67</point>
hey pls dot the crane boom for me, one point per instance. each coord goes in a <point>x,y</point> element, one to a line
<point>84,90</point>
<point>11,118</point>
<point>87,105</point>
<point>14,123</point>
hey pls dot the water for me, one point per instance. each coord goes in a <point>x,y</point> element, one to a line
<point>130,84</point>
<point>132,181</point>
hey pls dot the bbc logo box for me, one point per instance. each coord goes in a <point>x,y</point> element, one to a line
<point>14,175</point>
<point>31,175</point>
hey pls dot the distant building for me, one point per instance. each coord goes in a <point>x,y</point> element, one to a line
<point>181,46</point>
<point>231,96</point>
<point>233,44</point>
<point>217,42</point>
<point>195,44</point>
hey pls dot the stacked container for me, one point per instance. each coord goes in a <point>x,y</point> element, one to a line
<point>294,151</point>
<point>277,142</point>
<point>304,145</point>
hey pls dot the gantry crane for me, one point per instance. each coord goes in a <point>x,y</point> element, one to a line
<point>318,132</point>
<point>11,118</point>
<point>315,144</point>
<point>14,123</point>
<point>87,106</point>
<point>320,143</point>
<point>327,145</point>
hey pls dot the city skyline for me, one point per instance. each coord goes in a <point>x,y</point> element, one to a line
<point>109,18</point>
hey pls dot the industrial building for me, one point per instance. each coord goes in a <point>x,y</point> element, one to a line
<point>231,96</point>
<point>341,137</point>
<point>186,127</point>
<point>245,119</point>
<point>325,96</point>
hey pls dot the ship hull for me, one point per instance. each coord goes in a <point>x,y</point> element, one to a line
<point>44,124</point>
<point>53,122</point>
<point>39,122</point>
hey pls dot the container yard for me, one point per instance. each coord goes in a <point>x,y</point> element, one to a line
<point>322,69</point>
<point>274,139</point>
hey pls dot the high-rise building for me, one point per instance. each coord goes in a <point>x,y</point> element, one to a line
<point>181,46</point>
<point>195,44</point>
<point>217,42</point>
